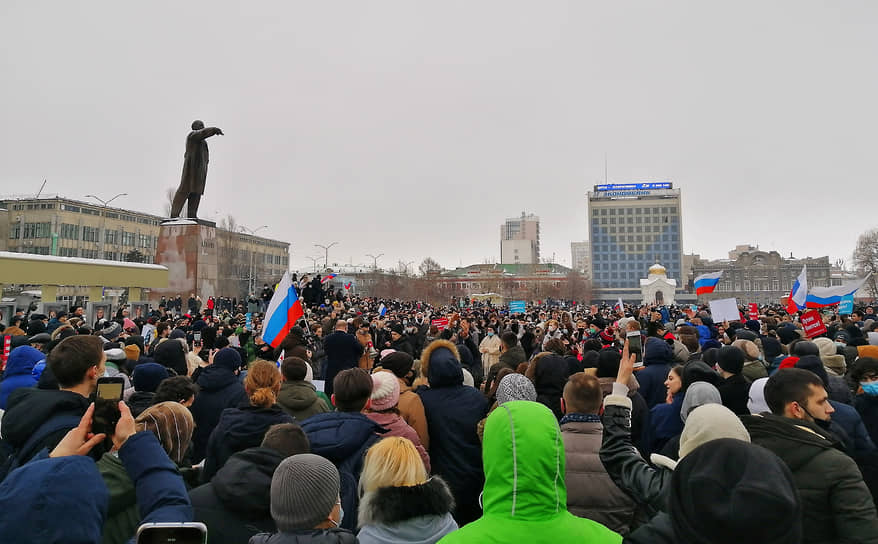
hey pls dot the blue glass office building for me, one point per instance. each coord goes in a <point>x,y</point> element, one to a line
<point>631,227</point>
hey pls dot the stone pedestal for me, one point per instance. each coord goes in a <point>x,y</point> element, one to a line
<point>189,249</point>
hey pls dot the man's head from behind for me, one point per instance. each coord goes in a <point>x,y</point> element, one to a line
<point>509,340</point>
<point>582,394</point>
<point>78,361</point>
<point>197,125</point>
<point>797,394</point>
<point>287,439</point>
<point>294,369</point>
<point>352,390</point>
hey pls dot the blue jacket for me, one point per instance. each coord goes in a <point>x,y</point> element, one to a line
<point>343,438</point>
<point>64,499</point>
<point>453,412</point>
<point>657,356</point>
<point>858,440</point>
<point>220,389</point>
<point>19,371</point>
<point>665,423</point>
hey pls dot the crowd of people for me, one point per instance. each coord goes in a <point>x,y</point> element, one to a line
<point>388,421</point>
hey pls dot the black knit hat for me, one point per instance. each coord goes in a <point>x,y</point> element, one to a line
<point>398,362</point>
<point>729,491</point>
<point>731,359</point>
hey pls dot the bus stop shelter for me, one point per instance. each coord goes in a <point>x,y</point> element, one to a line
<point>93,274</point>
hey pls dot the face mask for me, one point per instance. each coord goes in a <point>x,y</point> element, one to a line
<point>552,329</point>
<point>340,517</point>
<point>490,333</point>
<point>840,344</point>
<point>870,388</point>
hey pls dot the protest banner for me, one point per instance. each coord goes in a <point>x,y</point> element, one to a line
<point>441,323</point>
<point>753,310</point>
<point>813,324</point>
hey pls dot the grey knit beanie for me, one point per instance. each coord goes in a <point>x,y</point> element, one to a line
<point>304,490</point>
<point>515,387</point>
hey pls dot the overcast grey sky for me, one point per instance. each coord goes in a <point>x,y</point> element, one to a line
<point>414,128</point>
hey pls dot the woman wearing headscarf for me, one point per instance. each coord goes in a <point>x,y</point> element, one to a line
<point>172,423</point>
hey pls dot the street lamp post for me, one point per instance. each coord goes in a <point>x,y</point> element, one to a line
<point>251,286</point>
<point>326,253</point>
<point>102,236</point>
<point>314,261</point>
<point>406,266</point>
<point>374,259</point>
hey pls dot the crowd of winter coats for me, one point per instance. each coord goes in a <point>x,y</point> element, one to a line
<point>549,428</point>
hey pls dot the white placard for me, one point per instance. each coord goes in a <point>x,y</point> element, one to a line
<point>724,309</point>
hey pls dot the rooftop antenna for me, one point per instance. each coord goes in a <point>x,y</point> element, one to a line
<point>41,190</point>
<point>606,169</point>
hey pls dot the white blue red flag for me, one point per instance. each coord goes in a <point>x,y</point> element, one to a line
<point>818,297</point>
<point>283,311</point>
<point>799,293</point>
<point>327,277</point>
<point>706,283</point>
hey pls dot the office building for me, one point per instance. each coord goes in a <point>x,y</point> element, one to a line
<point>70,228</point>
<point>631,227</point>
<point>520,240</point>
<point>764,277</point>
<point>579,254</point>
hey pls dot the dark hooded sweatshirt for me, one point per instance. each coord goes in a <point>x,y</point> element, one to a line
<point>238,429</point>
<point>220,389</point>
<point>657,357</point>
<point>235,505</point>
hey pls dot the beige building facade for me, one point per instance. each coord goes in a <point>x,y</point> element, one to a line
<point>64,227</point>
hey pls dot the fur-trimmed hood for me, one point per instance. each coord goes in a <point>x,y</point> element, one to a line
<point>391,505</point>
<point>440,364</point>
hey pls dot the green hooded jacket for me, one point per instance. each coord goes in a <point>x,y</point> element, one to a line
<point>525,499</point>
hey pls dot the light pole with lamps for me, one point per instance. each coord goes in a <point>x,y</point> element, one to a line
<point>314,261</point>
<point>406,266</point>
<point>102,236</point>
<point>326,253</point>
<point>374,259</point>
<point>251,286</point>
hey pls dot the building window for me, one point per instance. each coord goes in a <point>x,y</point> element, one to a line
<point>89,234</point>
<point>128,238</point>
<point>111,237</point>
<point>110,255</point>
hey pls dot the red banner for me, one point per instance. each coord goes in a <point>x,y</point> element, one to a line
<point>812,322</point>
<point>4,355</point>
<point>441,323</point>
<point>754,310</point>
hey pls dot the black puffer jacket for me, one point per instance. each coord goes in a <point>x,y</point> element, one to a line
<point>550,376</point>
<point>235,505</point>
<point>837,506</point>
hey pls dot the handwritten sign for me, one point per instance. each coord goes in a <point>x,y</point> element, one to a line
<point>813,323</point>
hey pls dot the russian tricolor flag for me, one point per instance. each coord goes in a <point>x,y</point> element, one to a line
<point>283,312</point>
<point>818,297</point>
<point>799,292</point>
<point>327,277</point>
<point>706,283</point>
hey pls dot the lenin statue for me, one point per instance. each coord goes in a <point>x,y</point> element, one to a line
<point>194,170</point>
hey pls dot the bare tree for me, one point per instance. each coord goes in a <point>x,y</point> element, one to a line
<point>169,200</point>
<point>429,265</point>
<point>866,259</point>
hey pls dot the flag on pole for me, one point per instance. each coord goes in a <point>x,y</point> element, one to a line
<point>283,312</point>
<point>348,285</point>
<point>620,305</point>
<point>382,310</point>
<point>327,277</point>
<point>818,297</point>
<point>799,293</point>
<point>706,283</point>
